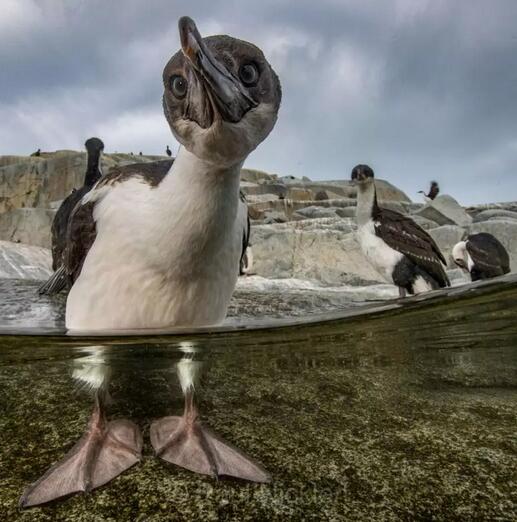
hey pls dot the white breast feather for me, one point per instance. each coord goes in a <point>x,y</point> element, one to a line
<point>161,258</point>
<point>382,257</point>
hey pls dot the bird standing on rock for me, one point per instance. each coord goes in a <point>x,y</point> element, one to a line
<point>398,248</point>
<point>168,151</point>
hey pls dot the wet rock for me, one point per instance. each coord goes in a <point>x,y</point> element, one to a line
<point>498,214</point>
<point>457,276</point>
<point>18,261</point>
<point>445,210</point>
<point>505,231</point>
<point>446,237</point>
<point>27,225</point>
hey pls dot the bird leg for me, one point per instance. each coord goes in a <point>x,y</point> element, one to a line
<point>402,292</point>
<point>187,442</point>
<point>104,451</point>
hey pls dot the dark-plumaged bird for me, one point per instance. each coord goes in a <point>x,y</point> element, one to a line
<point>398,248</point>
<point>36,154</point>
<point>59,280</point>
<point>168,151</point>
<point>482,256</point>
<point>159,247</point>
<point>434,190</point>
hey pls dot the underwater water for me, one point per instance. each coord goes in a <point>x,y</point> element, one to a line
<point>385,412</point>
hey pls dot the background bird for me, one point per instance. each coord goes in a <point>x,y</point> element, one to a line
<point>482,256</point>
<point>59,280</point>
<point>398,248</point>
<point>434,190</point>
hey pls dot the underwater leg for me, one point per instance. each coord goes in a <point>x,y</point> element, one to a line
<point>186,442</point>
<point>104,451</point>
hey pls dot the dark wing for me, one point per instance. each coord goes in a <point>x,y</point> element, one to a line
<point>245,231</point>
<point>434,190</point>
<point>488,254</point>
<point>82,230</point>
<point>403,235</point>
<point>152,173</point>
<point>81,234</point>
<point>60,225</point>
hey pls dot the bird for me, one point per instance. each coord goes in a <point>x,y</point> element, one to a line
<point>168,151</point>
<point>151,246</point>
<point>434,190</point>
<point>58,281</point>
<point>36,154</point>
<point>482,256</point>
<point>395,245</point>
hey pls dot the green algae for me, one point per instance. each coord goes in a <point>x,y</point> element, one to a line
<point>408,416</point>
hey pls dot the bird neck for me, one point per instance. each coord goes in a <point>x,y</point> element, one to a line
<point>93,172</point>
<point>366,203</point>
<point>192,174</point>
<point>200,198</point>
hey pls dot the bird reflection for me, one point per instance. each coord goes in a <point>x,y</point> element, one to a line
<point>110,447</point>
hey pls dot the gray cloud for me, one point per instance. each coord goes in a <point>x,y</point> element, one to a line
<point>419,89</point>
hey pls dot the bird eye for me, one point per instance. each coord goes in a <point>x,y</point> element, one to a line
<point>249,74</point>
<point>178,86</point>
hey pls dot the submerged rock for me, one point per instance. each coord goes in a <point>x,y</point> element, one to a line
<point>18,261</point>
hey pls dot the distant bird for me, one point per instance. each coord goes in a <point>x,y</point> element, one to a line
<point>482,256</point>
<point>36,154</point>
<point>59,281</point>
<point>395,245</point>
<point>140,153</point>
<point>168,151</point>
<point>434,190</point>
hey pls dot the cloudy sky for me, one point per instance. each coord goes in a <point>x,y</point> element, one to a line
<point>418,89</point>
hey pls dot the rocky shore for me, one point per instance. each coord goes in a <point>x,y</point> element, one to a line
<point>301,229</point>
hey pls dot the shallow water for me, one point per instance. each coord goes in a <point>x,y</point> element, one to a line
<point>387,413</point>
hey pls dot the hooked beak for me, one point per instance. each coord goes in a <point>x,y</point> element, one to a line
<point>461,264</point>
<point>209,78</point>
